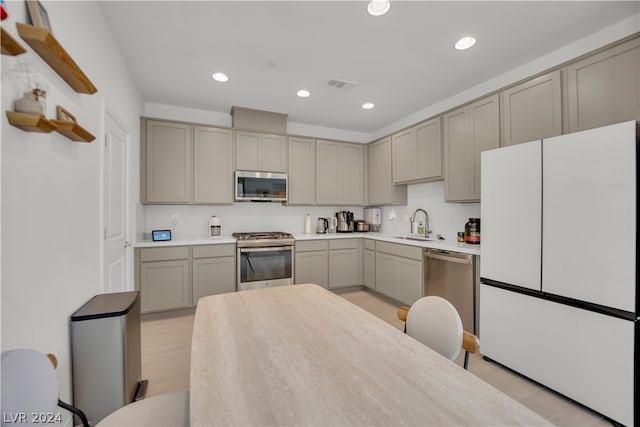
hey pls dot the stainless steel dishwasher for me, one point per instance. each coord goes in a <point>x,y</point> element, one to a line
<point>451,275</point>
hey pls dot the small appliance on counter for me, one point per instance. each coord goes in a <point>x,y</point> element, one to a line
<point>215,227</point>
<point>373,218</point>
<point>333,224</point>
<point>345,222</point>
<point>322,226</point>
<point>361,226</point>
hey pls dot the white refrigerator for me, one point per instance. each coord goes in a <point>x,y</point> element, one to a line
<point>559,300</point>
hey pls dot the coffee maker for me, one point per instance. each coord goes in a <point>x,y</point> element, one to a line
<point>345,222</point>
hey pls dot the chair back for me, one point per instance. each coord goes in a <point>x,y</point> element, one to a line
<point>435,322</point>
<point>29,385</point>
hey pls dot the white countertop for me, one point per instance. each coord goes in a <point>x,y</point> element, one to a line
<point>447,245</point>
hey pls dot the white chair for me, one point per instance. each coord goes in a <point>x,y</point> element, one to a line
<point>435,322</point>
<point>30,387</point>
<point>169,409</point>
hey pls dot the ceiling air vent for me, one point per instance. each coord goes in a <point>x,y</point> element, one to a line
<point>341,84</point>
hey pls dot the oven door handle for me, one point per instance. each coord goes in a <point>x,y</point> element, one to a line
<point>268,249</point>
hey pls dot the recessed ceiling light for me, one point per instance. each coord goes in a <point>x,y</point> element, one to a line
<point>368,105</point>
<point>220,77</point>
<point>303,93</point>
<point>378,7</point>
<point>465,43</point>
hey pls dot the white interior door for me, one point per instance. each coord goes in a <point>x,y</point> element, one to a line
<point>115,206</point>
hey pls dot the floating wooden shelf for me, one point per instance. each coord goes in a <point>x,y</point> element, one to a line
<point>30,122</point>
<point>73,131</point>
<point>45,44</point>
<point>9,45</point>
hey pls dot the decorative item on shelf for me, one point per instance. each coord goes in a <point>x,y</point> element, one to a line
<point>3,11</point>
<point>38,14</point>
<point>64,115</point>
<point>29,103</point>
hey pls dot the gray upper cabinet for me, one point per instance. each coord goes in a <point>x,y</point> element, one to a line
<point>212,165</point>
<point>302,171</point>
<point>186,164</point>
<point>339,173</point>
<point>532,110</point>
<point>261,152</point>
<point>469,131</point>
<point>166,162</point>
<point>380,188</point>
<point>604,88</point>
<point>417,153</point>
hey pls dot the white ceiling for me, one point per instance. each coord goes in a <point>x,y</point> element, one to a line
<point>403,61</point>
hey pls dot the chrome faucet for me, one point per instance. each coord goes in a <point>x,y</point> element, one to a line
<point>427,231</point>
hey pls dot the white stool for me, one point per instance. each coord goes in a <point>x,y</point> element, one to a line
<point>170,409</point>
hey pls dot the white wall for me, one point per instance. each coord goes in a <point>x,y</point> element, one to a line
<point>51,186</point>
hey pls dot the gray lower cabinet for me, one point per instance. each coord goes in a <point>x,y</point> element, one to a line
<point>369,264</point>
<point>345,263</point>
<point>399,271</point>
<point>531,110</point>
<point>312,262</point>
<point>604,88</point>
<point>214,270</point>
<point>176,277</point>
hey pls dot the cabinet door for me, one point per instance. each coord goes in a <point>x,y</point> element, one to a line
<point>532,110</point>
<point>164,285</point>
<point>344,268</point>
<point>212,276</point>
<point>429,150</point>
<point>485,133</point>
<point>605,88</point>
<point>168,162</point>
<point>302,171</point>
<point>384,274</point>
<point>379,185</point>
<point>369,269</point>
<point>273,153</point>
<point>405,161</point>
<point>407,279</point>
<point>247,151</point>
<point>352,173</point>
<point>328,182</point>
<point>212,165</point>
<point>312,267</point>
<point>458,156</point>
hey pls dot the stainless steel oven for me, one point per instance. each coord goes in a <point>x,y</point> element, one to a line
<point>264,260</point>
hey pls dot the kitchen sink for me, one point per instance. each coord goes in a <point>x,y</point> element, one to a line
<point>416,238</point>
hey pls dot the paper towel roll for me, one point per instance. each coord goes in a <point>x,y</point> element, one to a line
<point>307,224</point>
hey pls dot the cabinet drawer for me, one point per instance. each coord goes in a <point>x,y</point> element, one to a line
<point>311,245</point>
<point>212,251</point>
<point>344,244</point>
<point>405,251</point>
<point>163,254</point>
<point>370,244</point>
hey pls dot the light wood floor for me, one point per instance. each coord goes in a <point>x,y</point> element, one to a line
<point>166,344</point>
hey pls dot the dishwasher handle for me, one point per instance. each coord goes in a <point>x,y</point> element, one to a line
<point>448,256</point>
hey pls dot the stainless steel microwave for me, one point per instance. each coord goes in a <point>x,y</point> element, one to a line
<point>254,186</point>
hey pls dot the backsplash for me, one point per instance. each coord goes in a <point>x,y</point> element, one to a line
<point>444,218</point>
<point>192,221</point>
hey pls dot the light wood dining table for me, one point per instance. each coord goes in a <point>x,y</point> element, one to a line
<point>301,355</point>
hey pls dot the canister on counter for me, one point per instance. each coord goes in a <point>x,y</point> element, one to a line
<point>472,231</point>
<point>461,236</point>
